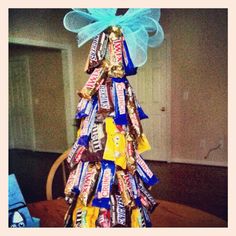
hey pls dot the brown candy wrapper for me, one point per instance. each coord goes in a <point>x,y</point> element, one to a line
<point>132,111</point>
<point>96,144</point>
<point>115,52</point>
<point>105,103</point>
<point>123,188</point>
<point>120,215</point>
<point>130,154</point>
<point>97,52</point>
<point>89,183</point>
<point>93,83</point>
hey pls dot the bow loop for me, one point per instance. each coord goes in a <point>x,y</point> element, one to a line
<point>140,27</point>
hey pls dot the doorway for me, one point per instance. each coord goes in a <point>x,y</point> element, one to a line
<point>37,119</point>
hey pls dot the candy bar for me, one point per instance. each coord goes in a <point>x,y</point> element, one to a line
<point>119,101</point>
<point>93,83</point>
<point>97,52</point>
<point>92,214</point>
<point>72,152</point>
<point>132,111</point>
<point>98,137</point>
<point>130,154</point>
<point>89,183</point>
<point>135,190</point>
<point>105,182</point>
<point>68,220</point>
<point>72,179</point>
<point>123,189</point>
<point>127,62</point>
<point>83,108</point>
<point>82,170</point>
<point>104,218</point>
<point>104,97</point>
<point>87,125</point>
<point>144,171</point>
<point>119,214</point>
<point>141,113</point>
<point>77,157</point>
<point>115,144</point>
<point>92,156</point>
<point>146,217</point>
<point>150,203</point>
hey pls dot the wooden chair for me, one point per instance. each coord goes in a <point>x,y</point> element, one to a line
<point>59,161</point>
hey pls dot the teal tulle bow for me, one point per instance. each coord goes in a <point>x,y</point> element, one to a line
<point>140,27</point>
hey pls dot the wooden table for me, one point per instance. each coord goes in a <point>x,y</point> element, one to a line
<point>167,214</point>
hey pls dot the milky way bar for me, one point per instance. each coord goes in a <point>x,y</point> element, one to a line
<point>97,52</point>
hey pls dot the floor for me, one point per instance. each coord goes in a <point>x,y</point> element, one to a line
<point>202,187</point>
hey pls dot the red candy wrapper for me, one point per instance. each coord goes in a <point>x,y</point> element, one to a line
<point>104,218</point>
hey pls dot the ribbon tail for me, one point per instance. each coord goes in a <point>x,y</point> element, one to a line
<point>137,45</point>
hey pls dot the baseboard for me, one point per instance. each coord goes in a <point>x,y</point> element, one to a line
<point>198,162</point>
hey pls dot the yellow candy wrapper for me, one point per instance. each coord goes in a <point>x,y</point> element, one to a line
<point>143,144</point>
<point>115,145</point>
<point>84,217</point>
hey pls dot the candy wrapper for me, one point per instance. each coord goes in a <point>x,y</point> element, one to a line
<point>87,125</point>
<point>105,182</point>
<point>144,171</point>
<point>119,101</point>
<point>127,62</point>
<point>97,52</point>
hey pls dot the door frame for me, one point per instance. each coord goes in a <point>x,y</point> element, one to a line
<point>168,98</point>
<point>68,78</point>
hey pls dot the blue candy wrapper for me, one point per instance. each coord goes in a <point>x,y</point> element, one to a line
<point>144,172</point>
<point>119,100</point>
<point>146,217</point>
<point>141,113</point>
<point>84,108</point>
<point>127,62</point>
<point>88,123</point>
<point>135,190</point>
<point>105,182</point>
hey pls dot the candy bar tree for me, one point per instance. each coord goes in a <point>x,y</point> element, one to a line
<point>109,181</point>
